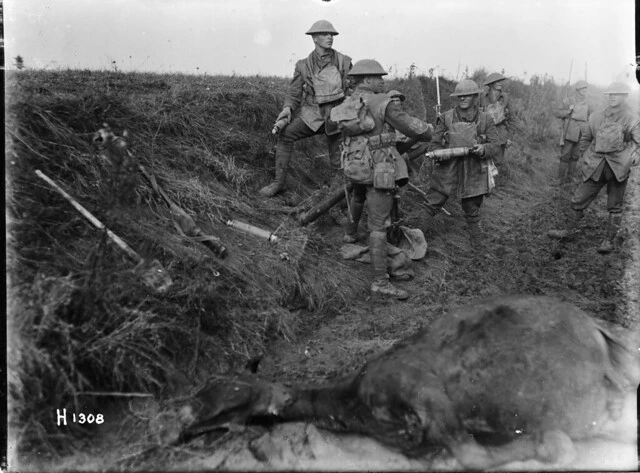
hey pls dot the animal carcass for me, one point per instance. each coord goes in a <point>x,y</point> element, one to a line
<point>504,379</point>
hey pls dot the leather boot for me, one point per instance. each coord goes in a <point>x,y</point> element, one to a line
<point>613,225</point>
<point>572,226</point>
<point>283,156</point>
<point>351,227</point>
<point>381,285</point>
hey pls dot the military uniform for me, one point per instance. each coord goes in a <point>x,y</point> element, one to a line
<point>497,107</point>
<point>468,176</point>
<point>378,143</point>
<point>496,104</point>
<point>577,110</point>
<point>319,83</point>
<point>610,146</point>
<point>608,142</point>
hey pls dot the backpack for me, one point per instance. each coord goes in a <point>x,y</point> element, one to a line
<point>353,116</point>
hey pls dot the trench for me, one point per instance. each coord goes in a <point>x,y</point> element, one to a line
<point>519,258</point>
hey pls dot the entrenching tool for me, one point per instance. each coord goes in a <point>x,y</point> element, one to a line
<point>151,272</point>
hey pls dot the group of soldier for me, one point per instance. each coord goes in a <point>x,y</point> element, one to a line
<point>347,103</point>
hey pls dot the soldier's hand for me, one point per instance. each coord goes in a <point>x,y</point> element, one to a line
<point>286,113</point>
<point>477,150</point>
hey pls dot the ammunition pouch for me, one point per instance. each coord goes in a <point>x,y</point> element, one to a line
<point>356,160</point>
<point>370,160</point>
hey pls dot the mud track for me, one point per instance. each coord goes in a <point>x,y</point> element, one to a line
<point>519,258</point>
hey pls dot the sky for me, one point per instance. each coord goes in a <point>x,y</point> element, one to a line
<point>566,39</point>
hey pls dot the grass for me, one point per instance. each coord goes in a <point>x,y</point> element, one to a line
<point>79,318</point>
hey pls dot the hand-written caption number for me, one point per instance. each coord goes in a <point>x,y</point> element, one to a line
<point>78,418</point>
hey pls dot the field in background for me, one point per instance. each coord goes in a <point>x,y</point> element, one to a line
<point>80,320</point>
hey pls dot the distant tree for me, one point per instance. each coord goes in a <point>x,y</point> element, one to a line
<point>19,62</point>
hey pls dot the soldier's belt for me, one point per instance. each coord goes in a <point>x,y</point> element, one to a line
<point>384,140</point>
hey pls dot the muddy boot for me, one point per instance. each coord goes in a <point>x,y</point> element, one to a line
<point>351,227</point>
<point>381,285</point>
<point>572,226</point>
<point>283,156</point>
<point>613,225</point>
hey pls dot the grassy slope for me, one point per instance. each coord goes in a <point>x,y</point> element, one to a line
<point>206,139</point>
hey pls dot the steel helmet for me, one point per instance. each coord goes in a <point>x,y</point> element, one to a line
<point>396,94</point>
<point>494,77</point>
<point>618,88</point>
<point>367,67</point>
<point>322,26</point>
<point>466,87</point>
<point>581,84</point>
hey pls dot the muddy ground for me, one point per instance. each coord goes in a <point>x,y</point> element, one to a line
<point>519,258</point>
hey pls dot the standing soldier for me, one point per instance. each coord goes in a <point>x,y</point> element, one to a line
<point>465,126</point>
<point>495,102</point>
<point>368,120</point>
<point>609,146</point>
<point>575,114</point>
<point>319,83</point>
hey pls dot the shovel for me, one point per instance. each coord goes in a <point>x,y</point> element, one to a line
<point>151,272</point>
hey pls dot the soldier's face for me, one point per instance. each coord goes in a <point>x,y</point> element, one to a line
<point>497,86</point>
<point>324,40</point>
<point>375,83</point>
<point>466,101</point>
<point>616,99</point>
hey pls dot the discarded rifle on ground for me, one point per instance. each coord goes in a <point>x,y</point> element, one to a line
<point>151,272</point>
<point>115,149</point>
<point>183,221</point>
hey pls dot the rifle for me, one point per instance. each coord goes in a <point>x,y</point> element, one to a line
<point>438,105</point>
<point>565,123</point>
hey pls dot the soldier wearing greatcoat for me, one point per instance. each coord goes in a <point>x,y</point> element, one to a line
<point>609,146</point>
<point>319,83</point>
<point>470,176</point>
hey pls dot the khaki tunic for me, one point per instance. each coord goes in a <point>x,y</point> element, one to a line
<point>300,95</point>
<point>612,135</point>
<point>499,106</point>
<point>581,112</point>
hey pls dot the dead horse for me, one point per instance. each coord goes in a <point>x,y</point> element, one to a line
<point>503,379</point>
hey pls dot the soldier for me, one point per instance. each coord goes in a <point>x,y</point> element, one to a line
<point>609,147</point>
<point>319,83</point>
<point>495,102</point>
<point>396,96</point>
<point>575,114</point>
<point>464,126</point>
<point>368,120</point>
